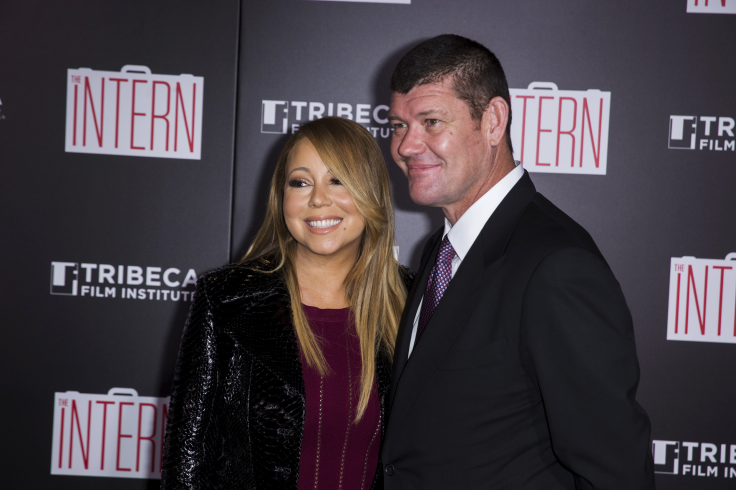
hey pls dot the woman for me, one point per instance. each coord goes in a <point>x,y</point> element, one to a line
<point>284,364</point>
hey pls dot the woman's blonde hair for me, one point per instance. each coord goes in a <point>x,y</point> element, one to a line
<point>373,286</point>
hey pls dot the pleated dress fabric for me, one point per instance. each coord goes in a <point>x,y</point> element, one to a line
<point>337,453</point>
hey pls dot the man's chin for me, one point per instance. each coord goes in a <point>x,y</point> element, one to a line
<point>424,199</point>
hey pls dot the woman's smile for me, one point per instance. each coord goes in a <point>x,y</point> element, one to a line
<point>322,222</point>
<point>323,225</point>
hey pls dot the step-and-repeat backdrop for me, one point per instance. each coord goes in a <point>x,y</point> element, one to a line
<point>137,140</point>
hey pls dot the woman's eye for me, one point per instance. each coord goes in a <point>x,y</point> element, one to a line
<point>297,183</point>
<point>335,182</point>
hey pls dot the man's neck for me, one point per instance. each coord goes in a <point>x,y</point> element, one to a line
<point>503,164</point>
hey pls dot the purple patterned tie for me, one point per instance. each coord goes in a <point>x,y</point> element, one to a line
<point>439,278</point>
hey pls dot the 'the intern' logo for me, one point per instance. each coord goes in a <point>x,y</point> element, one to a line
<point>702,300</point>
<point>134,112</point>
<point>711,6</point>
<point>402,2</point>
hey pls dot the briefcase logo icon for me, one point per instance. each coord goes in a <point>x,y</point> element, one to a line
<point>134,112</point>
<point>560,131</point>
<point>702,300</point>
<point>401,2</point>
<point>711,6</point>
<point>119,434</point>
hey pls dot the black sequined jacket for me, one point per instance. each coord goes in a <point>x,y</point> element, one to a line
<point>236,415</point>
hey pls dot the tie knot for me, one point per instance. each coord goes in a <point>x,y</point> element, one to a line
<point>446,252</point>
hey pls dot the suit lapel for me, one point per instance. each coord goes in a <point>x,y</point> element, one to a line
<point>477,270</point>
<point>413,298</point>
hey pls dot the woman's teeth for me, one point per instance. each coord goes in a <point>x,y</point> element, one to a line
<point>325,223</point>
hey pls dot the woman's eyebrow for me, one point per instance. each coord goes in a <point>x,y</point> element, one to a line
<point>300,168</point>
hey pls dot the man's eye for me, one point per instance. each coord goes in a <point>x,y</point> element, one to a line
<point>398,126</point>
<point>432,122</point>
<point>297,183</point>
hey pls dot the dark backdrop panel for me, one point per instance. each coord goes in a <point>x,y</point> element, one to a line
<point>654,203</point>
<point>289,60</point>
<point>101,209</point>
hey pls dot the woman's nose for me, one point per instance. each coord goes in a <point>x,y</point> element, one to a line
<point>320,197</point>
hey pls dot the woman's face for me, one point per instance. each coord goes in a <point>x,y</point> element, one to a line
<point>319,211</point>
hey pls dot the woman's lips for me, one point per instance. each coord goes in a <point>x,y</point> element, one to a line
<point>321,225</point>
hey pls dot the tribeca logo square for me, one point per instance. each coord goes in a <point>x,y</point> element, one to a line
<point>666,457</point>
<point>64,278</point>
<point>269,121</point>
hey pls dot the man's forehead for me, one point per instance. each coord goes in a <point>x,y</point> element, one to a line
<point>423,98</point>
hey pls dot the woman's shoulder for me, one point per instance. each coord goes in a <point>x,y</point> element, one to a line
<point>407,276</point>
<point>242,281</point>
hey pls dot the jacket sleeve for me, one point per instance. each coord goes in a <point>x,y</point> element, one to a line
<point>192,432</point>
<point>578,345</point>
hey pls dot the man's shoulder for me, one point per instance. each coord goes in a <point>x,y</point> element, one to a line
<point>543,228</point>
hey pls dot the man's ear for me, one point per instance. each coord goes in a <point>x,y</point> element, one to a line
<point>494,120</point>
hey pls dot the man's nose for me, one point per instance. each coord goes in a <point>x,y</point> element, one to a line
<point>411,143</point>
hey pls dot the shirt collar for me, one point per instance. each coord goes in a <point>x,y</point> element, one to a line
<point>468,227</point>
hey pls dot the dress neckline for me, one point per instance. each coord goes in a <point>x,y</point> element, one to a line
<point>326,314</point>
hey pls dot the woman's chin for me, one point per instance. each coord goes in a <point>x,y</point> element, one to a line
<point>326,250</point>
<point>321,250</point>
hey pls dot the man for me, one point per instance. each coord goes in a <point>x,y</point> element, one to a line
<point>515,365</point>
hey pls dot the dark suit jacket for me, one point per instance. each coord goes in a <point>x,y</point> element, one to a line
<point>237,409</point>
<point>526,375</point>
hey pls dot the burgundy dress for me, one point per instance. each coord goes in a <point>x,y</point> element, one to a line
<point>337,453</point>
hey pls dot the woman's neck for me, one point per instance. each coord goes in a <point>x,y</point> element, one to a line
<point>322,278</point>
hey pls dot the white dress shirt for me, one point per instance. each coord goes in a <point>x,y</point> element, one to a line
<point>468,227</point>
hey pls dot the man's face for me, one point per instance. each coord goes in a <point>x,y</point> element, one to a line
<point>438,145</point>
